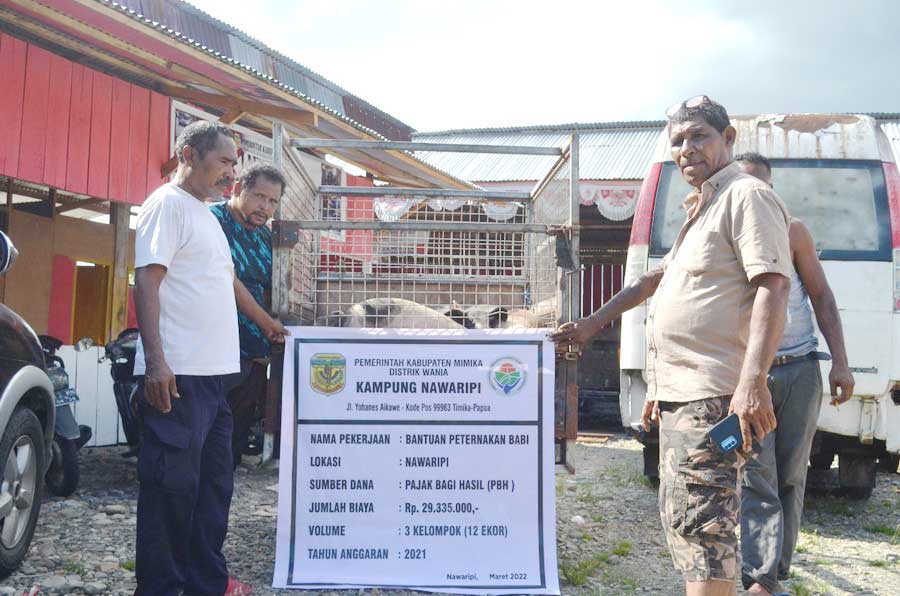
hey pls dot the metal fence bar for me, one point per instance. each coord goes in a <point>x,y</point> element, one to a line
<point>283,227</point>
<point>432,279</point>
<point>574,221</point>
<point>412,146</point>
<point>384,191</point>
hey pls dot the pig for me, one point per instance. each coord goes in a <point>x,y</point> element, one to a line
<point>391,313</point>
<point>482,316</point>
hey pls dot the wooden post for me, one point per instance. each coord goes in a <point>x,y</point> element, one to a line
<point>273,393</point>
<point>574,287</point>
<point>569,301</point>
<point>7,225</point>
<point>119,215</point>
<point>9,205</point>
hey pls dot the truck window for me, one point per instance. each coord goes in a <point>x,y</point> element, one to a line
<point>843,203</point>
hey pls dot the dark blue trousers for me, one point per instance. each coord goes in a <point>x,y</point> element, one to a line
<point>186,483</point>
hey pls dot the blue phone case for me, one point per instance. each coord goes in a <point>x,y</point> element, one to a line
<point>726,435</point>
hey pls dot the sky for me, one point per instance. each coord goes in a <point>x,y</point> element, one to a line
<point>438,65</point>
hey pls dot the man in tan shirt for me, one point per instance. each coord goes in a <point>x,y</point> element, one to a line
<point>713,327</point>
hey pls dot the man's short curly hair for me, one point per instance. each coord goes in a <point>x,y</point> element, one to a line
<point>247,179</point>
<point>202,136</point>
<point>754,158</point>
<point>713,113</point>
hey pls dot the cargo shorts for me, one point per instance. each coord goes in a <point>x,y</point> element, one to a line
<point>699,498</point>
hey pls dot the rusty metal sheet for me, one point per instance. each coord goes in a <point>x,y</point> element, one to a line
<point>802,136</point>
<point>377,120</point>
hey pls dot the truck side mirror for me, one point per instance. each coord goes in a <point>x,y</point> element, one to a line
<point>8,253</point>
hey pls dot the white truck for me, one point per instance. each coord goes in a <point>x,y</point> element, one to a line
<point>838,175</point>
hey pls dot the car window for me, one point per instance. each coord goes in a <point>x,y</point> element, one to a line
<point>843,203</point>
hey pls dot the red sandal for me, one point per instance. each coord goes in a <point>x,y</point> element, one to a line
<point>236,588</point>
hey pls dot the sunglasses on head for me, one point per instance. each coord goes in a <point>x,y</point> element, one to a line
<point>693,102</point>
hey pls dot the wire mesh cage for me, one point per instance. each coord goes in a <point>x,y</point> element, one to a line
<point>416,261</point>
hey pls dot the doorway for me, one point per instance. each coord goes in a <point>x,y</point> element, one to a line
<point>91,309</point>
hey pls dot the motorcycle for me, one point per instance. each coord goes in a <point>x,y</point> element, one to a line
<point>68,436</point>
<point>120,353</point>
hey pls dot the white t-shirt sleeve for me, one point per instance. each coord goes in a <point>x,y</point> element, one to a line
<point>159,233</point>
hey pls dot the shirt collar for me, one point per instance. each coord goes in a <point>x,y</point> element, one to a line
<point>696,201</point>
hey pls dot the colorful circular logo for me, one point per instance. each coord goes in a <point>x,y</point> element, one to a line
<point>507,375</point>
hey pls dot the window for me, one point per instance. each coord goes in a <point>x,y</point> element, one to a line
<point>843,203</point>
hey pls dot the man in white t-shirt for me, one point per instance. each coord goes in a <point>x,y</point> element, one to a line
<point>186,298</point>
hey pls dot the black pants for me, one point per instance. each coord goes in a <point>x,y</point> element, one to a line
<point>186,483</point>
<point>246,397</point>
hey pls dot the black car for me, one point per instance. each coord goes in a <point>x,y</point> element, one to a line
<point>27,416</point>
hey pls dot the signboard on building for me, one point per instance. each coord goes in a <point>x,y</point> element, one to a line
<point>418,459</point>
<point>251,145</point>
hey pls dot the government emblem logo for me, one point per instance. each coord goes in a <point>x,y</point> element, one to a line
<point>327,373</point>
<point>507,375</point>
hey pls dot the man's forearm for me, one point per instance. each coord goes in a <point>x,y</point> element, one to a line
<point>829,321</point>
<point>627,298</point>
<point>248,305</point>
<point>146,305</point>
<point>766,326</point>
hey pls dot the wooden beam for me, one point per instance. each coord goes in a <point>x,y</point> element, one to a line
<point>119,216</point>
<point>231,116</point>
<point>241,106</point>
<point>83,204</point>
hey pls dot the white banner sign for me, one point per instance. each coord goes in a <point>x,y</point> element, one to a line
<point>417,459</point>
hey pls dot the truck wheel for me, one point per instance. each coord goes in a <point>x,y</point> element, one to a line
<point>21,460</point>
<point>856,473</point>
<point>62,476</point>
<point>821,460</point>
<point>823,451</point>
<point>889,462</point>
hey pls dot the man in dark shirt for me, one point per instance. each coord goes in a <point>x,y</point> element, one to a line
<point>243,219</point>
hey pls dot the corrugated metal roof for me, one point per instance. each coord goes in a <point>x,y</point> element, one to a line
<point>186,22</point>
<point>609,151</point>
<point>567,127</point>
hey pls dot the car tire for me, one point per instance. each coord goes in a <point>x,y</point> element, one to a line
<point>821,460</point>
<point>889,463</point>
<point>63,475</point>
<point>21,463</point>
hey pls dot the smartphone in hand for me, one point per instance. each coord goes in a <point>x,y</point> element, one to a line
<point>726,435</point>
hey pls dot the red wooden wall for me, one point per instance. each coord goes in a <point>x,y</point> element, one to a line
<point>77,129</point>
<point>62,299</point>
<point>599,283</point>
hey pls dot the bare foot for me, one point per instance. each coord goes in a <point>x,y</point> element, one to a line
<point>758,590</point>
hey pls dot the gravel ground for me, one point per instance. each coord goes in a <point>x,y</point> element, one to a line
<point>609,536</point>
